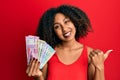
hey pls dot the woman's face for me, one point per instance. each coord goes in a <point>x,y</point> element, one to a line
<point>64,28</point>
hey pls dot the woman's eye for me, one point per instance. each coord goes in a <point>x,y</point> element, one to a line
<point>56,27</point>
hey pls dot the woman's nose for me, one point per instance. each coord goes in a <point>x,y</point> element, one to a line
<point>64,28</point>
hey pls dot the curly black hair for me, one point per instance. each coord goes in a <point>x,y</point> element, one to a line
<point>45,28</point>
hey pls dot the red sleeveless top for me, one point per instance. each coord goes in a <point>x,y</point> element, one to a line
<point>75,71</point>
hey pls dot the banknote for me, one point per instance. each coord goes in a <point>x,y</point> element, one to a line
<point>31,47</point>
<point>38,49</point>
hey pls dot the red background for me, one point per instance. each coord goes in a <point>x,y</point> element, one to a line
<point>19,18</point>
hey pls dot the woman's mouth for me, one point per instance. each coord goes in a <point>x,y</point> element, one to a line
<point>67,34</point>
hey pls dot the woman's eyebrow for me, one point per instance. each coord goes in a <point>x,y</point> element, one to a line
<point>55,23</point>
<point>65,18</point>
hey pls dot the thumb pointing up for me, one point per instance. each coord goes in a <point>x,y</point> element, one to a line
<point>107,54</point>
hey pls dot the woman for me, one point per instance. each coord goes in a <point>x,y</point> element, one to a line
<point>61,27</point>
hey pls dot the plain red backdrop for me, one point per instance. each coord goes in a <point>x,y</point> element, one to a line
<point>19,18</point>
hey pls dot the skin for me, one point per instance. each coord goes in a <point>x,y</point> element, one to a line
<point>96,58</point>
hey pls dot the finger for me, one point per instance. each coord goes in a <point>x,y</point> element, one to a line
<point>92,53</point>
<point>31,67</point>
<point>38,65</point>
<point>98,52</point>
<point>107,53</point>
<point>95,52</point>
<point>28,68</point>
<point>35,68</point>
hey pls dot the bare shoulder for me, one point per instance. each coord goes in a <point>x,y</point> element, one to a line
<point>89,49</point>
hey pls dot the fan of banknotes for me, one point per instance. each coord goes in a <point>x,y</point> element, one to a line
<point>38,49</point>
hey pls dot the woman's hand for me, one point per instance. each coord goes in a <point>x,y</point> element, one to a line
<point>33,68</point>
<point>98,58</point>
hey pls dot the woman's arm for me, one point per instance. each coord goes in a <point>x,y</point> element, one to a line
<point>91,71</point>
<point>96,64</point>
<point>95,73</point>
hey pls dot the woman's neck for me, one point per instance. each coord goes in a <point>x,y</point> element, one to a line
<point>69,45</point>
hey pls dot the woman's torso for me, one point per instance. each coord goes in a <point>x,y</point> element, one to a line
<point>77,70</point>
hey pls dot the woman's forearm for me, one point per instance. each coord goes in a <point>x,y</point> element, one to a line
<point>39,78</point>
<point>99,73</point>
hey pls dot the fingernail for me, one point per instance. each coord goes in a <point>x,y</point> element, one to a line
<point>33,58</point>
<point>111,50</point>
<point>36,59</point>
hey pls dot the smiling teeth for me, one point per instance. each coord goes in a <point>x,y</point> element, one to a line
<point>67,34</point>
